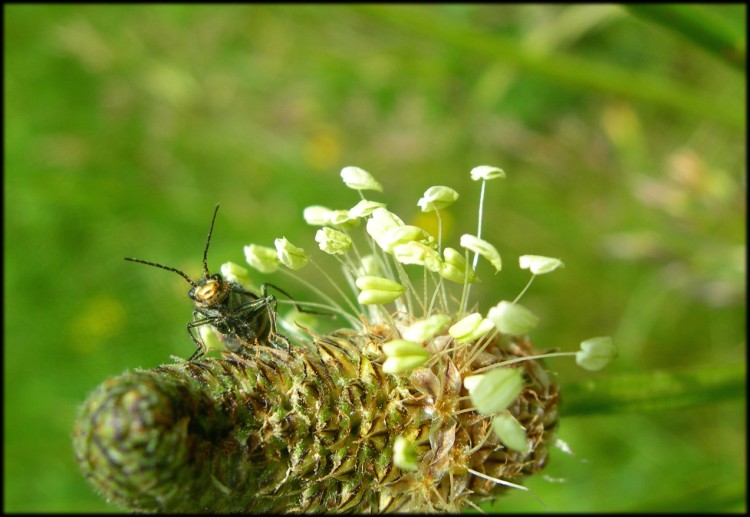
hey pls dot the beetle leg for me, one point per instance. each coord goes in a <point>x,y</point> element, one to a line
<point>273,336</point>
<point>200,345</point>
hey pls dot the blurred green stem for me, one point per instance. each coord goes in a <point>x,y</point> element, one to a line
<point>701,26</point>
<point>575,72</point>
<point>654,391</point>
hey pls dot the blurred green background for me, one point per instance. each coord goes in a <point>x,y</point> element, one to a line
<point>623,141</point>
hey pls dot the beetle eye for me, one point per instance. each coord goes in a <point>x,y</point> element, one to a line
<point>216,277</point>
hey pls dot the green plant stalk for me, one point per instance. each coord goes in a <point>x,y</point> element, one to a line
<point>307,431</point>
<point>562,69</point>
<point>699,25</point>
<point>654,391</point>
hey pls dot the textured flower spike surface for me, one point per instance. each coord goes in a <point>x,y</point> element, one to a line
<point>422,403</point>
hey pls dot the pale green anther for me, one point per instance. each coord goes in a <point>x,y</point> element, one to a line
<point>510,432</point>
<point>317,215</point>
<point>399,365</point>
<point>359,179</point>
<point>374,297</point>
<point>403,235</point>
<point>364,208</point>
<point>380,222</point>
<point>369,265</point>
<point>418,253</point>
<point>484,248</point>
<point>235,273</point>
<point>512,318</point>
<point>404,348</point>
<point>454,267</point>
<point>262,258</point>
<point>471,382</point>
<point>377,290</point>
<point>425,329</point>
<point>377,282</point>
<point>289,254</point>
<point>596,353</point>
<point>209,338</point>
<point>496,390</point>
<point>333,241</point>
<point>405,454</point>
<point>403,356</point>
<point>295,318</point>
<point>486,172</point>
<point>539,265</point>
<point>437,198</point>
<point>342,219</point>
<point>471,328</point>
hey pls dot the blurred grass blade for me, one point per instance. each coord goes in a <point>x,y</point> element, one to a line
<point>575,72</point>
<point>654,391</point>
<point>701,26</point>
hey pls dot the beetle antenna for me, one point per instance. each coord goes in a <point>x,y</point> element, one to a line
<point>208,241</point>
<point>175,270</point>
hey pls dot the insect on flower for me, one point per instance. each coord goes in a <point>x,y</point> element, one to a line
<point>240,317</point>
<point>426,405</point>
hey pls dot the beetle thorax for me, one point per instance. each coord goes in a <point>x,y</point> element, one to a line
<point>210,291</point>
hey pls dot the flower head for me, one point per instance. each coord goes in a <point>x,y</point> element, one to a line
<point>452,402</point>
